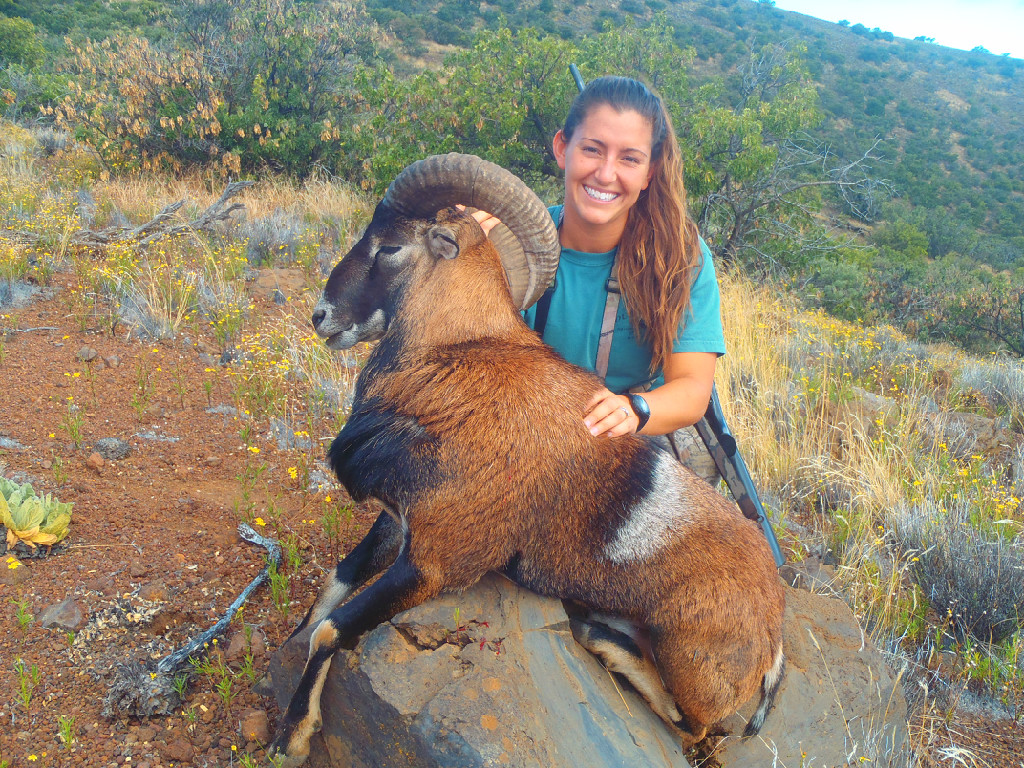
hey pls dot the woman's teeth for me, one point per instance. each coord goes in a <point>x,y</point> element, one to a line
<point>604,197</point>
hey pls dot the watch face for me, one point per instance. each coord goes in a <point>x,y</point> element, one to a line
<point>639,405</point>
<point>641,409</point>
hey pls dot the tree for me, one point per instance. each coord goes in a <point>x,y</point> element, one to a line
<point>19,44</point>
<point>759,172</point>
<point>242,84</point>
<point>502,99</point>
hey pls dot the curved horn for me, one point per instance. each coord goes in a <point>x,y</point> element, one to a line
<point>528,247</point>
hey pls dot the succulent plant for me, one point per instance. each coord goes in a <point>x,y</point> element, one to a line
<point>30,518</point>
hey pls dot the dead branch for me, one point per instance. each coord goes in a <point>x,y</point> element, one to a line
<point>144,688</point>
<point>160,226</point>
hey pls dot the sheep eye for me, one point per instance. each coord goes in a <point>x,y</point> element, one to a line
<point>387,250</point>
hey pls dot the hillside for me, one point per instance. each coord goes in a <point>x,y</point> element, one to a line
<point>952,121</point>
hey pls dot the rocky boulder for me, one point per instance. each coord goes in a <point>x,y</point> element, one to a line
<point>493,677</point>
<point>838,703</point>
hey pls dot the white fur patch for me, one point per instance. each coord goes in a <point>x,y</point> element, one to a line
<point>653,519</point>
<point>331,595</point>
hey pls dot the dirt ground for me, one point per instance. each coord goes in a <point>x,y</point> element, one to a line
<point>153,556</point>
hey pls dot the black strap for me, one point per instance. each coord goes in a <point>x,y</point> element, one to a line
<point>540,319</point>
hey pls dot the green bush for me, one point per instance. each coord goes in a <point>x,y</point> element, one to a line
<point>19,43</point>
<point>246,85</point>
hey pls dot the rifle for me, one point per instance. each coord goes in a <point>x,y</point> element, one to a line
<point>722,446</point>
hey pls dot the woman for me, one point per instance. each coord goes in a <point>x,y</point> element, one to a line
<point>625,213</point>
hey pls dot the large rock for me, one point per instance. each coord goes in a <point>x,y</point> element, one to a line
<point>509,686</point>
<point>838,702</point>
<point>512,689</point>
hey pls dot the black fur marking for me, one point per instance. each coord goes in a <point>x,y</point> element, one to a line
<point>631,482</point>
<point>598,632</point>
<point>511,569</point>
<point>767,702</point>
<point>385,455</point>
<point>373,554</point>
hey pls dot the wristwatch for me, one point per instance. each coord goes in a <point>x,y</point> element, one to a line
<point>640,408</point>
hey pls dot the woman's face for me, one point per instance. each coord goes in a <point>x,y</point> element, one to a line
<point>607,164</point>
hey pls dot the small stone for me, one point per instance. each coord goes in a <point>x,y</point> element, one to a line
<point>67,614</point>
<point>255,726</point>
<point>155,592</point>
<point>46,464</point>
<point>112,362</point>
<point>112,448</point>
<point>101,584</point>
<point>12,577</point>
<point>237,646</point>
<point>94,462</point>
<point>231,355</point>
<point>137,569</point>
<point>208,716</point>
<point>146,734</point>
<point>213,461</point>
<point>177,751</point>
<point>86,354</point>
<point>278,297</point>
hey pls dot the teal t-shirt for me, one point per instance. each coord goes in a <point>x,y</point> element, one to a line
<point>577,310</point>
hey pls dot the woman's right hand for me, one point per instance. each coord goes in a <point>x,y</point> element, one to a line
<point>486,220</point>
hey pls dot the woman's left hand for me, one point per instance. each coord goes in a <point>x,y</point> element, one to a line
<point>610,415</point>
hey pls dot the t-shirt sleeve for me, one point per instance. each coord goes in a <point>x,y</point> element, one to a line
<point>701,330</point>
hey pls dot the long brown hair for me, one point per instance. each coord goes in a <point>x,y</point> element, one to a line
<point>659,253</point>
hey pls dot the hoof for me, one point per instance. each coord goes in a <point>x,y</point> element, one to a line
<point>290,746</point>
<point>281,759</point>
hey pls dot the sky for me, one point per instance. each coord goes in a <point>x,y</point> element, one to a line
<point>998,25</point>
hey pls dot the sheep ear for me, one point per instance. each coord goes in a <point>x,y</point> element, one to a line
<point>443,242</point>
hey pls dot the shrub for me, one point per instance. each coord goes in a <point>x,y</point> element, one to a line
<point>278,238</point>
<point>243,85</point>
<point>19,44</point>
<point>973,576</point>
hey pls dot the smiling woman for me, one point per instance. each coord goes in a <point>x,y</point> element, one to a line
<point>624,230</point>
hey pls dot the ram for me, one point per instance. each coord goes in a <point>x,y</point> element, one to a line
<point>469,430</point>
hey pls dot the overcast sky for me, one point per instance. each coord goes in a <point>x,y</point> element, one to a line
<point>998,25</point>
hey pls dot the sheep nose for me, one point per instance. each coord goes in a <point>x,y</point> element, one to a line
<point>318,317</point>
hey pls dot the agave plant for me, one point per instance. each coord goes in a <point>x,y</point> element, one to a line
<point>32,519</point>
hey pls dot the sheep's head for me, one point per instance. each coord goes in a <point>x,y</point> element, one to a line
<point>364,288</point>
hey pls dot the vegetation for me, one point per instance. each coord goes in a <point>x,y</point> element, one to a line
<point>32,519</point>
<point>842,255</point>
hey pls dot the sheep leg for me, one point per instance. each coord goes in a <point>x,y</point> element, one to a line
<point>619,651</point>
<point>372,555</point>
<point>401,587</point>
